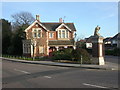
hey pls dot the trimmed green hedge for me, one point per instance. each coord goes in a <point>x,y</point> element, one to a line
<point>25,58</point>
<point>115,52</point>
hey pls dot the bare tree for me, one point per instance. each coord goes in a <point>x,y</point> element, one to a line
<point>81,37</point>
<point>22,18</point>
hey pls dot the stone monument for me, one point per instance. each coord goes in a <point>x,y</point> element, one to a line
<point>98,47</point>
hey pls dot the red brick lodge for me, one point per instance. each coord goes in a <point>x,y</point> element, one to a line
<point>43,38</point>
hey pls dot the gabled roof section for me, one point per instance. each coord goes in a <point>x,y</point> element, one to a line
<point>54,26</point>
<point>51,26</point>
<point>64,26</point>
<point>71,26</point>
<point>36,21</point>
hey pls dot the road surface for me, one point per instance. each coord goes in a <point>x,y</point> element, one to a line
<point>24,75</point>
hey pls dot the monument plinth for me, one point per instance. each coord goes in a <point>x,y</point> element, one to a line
<point>98,47</point>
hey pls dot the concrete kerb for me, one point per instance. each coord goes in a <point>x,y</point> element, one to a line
<point>56,64</point>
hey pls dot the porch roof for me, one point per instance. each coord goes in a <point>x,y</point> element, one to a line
<point>61,42</point>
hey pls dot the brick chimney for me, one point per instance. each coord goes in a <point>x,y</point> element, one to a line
<point>38,17</point>
<point>60,20</point>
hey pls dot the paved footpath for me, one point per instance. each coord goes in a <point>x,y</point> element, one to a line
<point>111,63</point>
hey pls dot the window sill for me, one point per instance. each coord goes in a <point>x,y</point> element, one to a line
<point>63,39</point>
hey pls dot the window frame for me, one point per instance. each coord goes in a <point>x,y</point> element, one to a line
<point>51,35</point>
<point>63,33</point>
<point>27,48</point>
<point>41,47</point>
<point>39,33</point>
<point>38,30</point>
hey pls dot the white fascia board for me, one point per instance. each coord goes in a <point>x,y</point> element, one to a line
<point>34,24</point>
<point>63,25</point>
<point>30,26</point>
<point>42,26</point>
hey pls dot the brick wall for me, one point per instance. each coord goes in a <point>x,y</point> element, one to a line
<point>40,41</point>
<point>54,35</point>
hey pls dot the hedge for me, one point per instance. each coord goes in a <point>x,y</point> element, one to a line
<point>115,52</point>
<point>72,55</point>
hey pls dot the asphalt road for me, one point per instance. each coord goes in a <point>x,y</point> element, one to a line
<point>23,75</point>
<point>112,59</point>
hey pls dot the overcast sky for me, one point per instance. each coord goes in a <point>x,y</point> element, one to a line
<point>85,15</point>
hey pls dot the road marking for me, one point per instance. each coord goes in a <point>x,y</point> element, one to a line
<point>22,71</point>
<point>94,85</point>
<point>47,77</point>
<point>63,67</point>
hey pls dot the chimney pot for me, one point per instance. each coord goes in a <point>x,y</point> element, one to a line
<point>60,20</point>
<point>38,17</point>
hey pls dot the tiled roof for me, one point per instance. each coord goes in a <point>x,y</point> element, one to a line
<point>117,36</point>
<point>107,39</point>
<point>89,40</point>
<point>61,42</point>
<point>53,26</point>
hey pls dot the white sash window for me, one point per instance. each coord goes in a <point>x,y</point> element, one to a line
<point>63,33</point>
<point>37,32</point>
<point>51,35</point>
<point>59,32</point>
<point>26,48</point>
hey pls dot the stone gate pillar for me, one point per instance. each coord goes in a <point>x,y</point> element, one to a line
<point>98,50</point>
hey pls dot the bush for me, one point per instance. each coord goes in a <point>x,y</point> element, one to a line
<point>64,54</point>
<point>89,51</point>
<point>79,54</point>
<point>115,52</point>
<point>108,52</point>
<point>72,55</point>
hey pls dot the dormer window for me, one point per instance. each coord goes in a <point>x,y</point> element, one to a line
<point>59,35</point>
<point>63,33</point>
<point>67,33</point>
